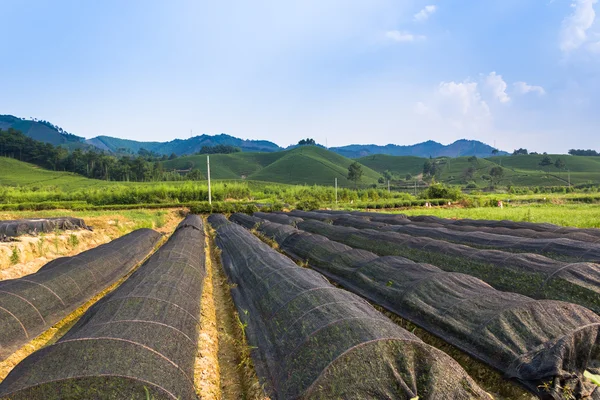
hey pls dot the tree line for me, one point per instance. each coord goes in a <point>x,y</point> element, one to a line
<point>146,166</point>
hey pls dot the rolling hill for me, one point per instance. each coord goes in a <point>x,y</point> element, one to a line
<point>427,149</point>
<point>42,131</point>
<point>521,170</point>
<point>302,165</point>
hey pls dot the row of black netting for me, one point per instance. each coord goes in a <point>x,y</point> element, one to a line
<point>530,274</point>
<point>33,303</point>
<point>138,342</point>
<point>20,227</point>
<point>314,340</point>
<point>540,343</point>
<point>558,248</point>
<point>538,227</point>
<point>510,228</point>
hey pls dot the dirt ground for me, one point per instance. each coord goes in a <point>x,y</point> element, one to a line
<point>30,253</point>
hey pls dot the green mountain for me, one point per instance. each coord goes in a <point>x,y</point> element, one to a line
<point>42,131</point>
<point>430,148</point>
<point>180,146</point>
<point>302,165</point>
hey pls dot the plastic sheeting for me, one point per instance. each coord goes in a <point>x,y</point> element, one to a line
<point>33,303</point>
<point>317,341</point>
<point>532,341</point>
<point>142,336</point>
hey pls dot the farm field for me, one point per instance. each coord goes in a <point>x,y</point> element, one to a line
<point>248,312</point>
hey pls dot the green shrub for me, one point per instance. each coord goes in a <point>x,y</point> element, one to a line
<point>441,191</point>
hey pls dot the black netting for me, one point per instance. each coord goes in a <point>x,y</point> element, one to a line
<point>532,341</point>
<point>142,336</point>
<point>529,274</point>
<point>317,341</point>
<point>38,225</point>
<point>538,227</point>
<point>559,248</point>
<point>33,303</point>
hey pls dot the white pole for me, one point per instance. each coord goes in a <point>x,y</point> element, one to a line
<point>388,185</point>
<point>208,170</point>
<point>569,171</point>
<point>335,190</point>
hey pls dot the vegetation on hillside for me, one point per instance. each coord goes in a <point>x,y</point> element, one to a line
<point>146,166</point>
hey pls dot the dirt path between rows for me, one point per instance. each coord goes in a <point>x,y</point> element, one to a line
<point>223,368</point>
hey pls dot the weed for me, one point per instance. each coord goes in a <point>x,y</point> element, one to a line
<point>73,240</point>
<point>14,257</point>
<point>40,245</point>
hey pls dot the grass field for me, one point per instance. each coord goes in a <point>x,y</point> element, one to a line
<point>577,215</point>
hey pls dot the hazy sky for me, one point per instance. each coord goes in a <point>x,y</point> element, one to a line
<point>518,73</point>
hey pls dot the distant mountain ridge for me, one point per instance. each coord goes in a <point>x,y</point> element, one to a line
<point>49,133</point>
<point>181,146</point>
<point>460,148</point>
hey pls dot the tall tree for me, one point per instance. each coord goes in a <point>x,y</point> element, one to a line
<point>355,173</point>
<point>496,174</point>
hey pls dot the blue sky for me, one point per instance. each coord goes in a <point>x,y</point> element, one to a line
<point>517,73</point>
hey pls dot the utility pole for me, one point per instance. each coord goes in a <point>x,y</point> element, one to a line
<point>336,191</point>
<point>415,187</point>
<point>208,173</point>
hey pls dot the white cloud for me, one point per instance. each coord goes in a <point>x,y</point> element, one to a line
<point>402,36</point>
<point>498,87</point>
<point>524,88</point>
<point>424,14</point>
<point>574,27</point>
<point>456,107</point>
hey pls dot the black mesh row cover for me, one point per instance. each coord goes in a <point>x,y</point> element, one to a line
<point>142,336</point>
<point>538,227</point>
<point>463,225</point>
<point>31,304</point>
<point>532,341</point>
<point>525,273</point>
<point>279,218</point>
<point>559,248</point>
<point>38,225</point>
<point>315,341</point>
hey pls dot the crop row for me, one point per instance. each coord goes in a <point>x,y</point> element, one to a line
<point>314,340</point>
<point>138,341</point>
<point>525,273</point>
<point>531,341</point>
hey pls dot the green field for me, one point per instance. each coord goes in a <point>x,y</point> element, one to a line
<point>522,170</point>
<point>577,215</point>
<point>310,165</point>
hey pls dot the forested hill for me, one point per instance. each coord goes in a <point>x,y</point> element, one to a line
<point>460,148</point>
<point>181,146</point>
<point>43,131</point>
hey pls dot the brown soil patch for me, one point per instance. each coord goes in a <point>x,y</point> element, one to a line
<point>35,251</point>
<point>234,373</point>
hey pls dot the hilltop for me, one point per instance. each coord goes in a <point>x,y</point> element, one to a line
<point>43,131</point>
<point>47,132</point>
<point>429,148</point>
<point>180,146</point>
<point>301,165</point>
